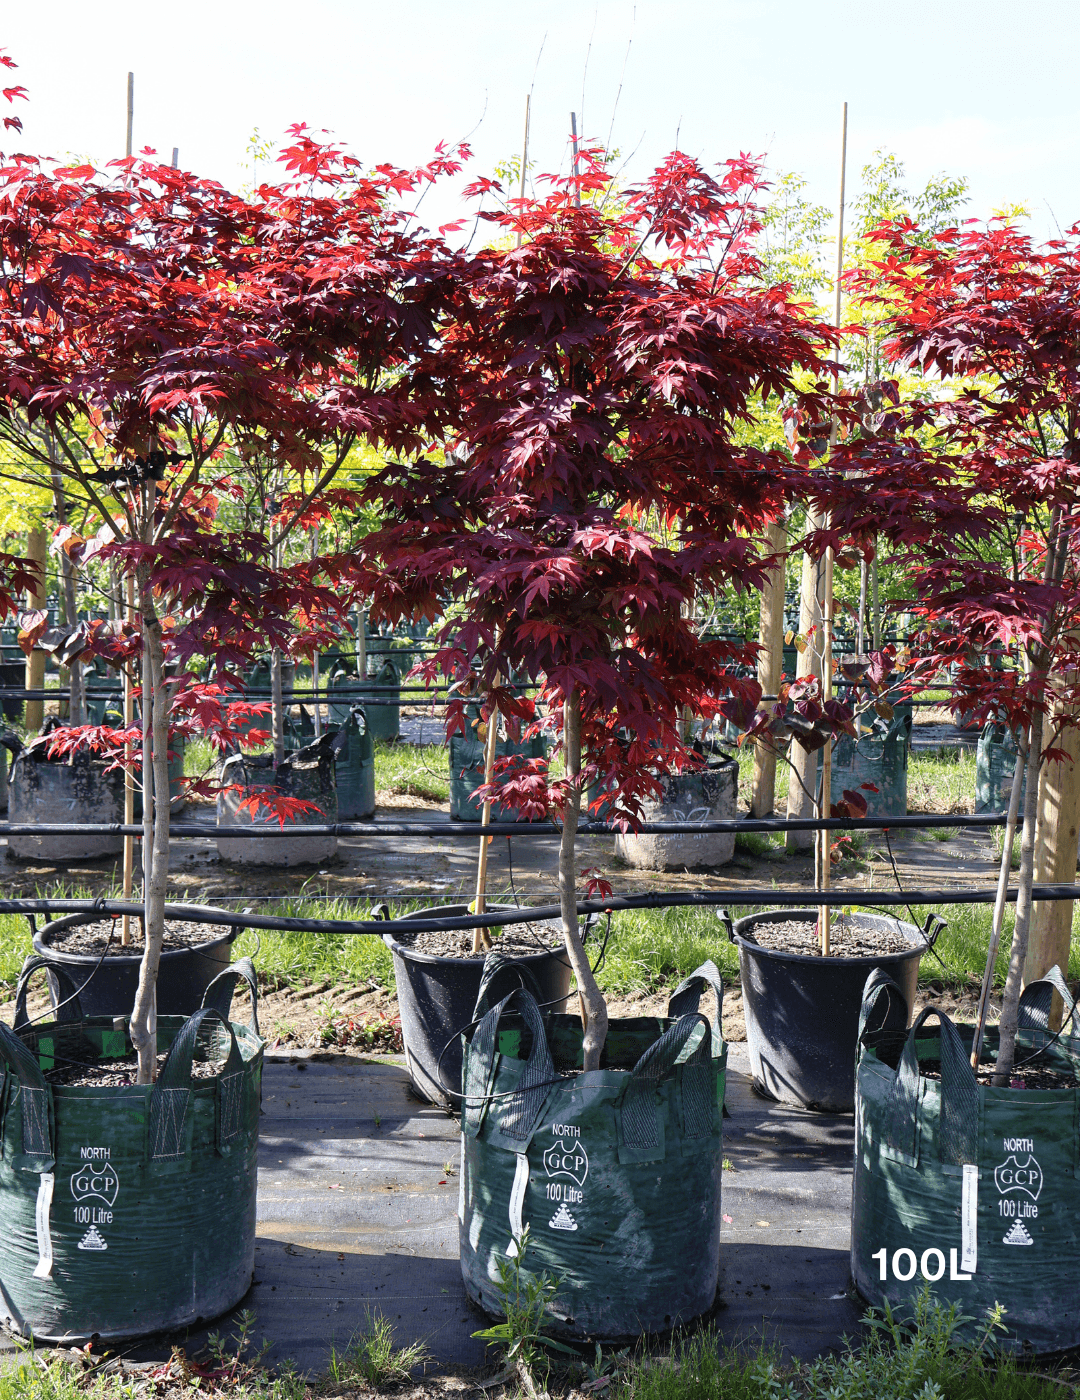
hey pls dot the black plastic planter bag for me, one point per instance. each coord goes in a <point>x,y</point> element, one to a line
<point>129,1209</point>
<point>616,1172</point>
<point>975,1190</point>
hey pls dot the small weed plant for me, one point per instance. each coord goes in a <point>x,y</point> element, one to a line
<point>920,1358</point>
<point>526,1299</point>
<point>379,1034</point>
<point>372,1359</point>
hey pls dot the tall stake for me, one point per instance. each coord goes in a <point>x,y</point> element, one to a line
<point>130,113</point>
<point>573,137</point>
<point>525,163</point>
<point>827,649</point>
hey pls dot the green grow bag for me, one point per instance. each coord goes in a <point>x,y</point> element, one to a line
<point>355,771</point>
<point>467,774</point>
<point>995,769</point>
<point>971,1189</point>
<point>128,1210</point>
<point>615,1172</point>
<point>879,757</point>
<point>384,721</point>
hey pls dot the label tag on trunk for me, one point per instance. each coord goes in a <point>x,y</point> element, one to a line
<point>41,1220</point>
<point>517,1200</point>
<point>969,1219</point>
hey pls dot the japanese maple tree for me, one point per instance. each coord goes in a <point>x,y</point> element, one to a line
<point>162,343</point>
<point>588,382</point>
<point>981,481</point>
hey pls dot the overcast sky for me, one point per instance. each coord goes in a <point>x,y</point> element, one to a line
<point>981,88</point>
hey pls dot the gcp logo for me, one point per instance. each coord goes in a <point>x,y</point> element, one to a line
<point>568,1158</point>
<point>95,1179</point>
<point>1014,1175</point>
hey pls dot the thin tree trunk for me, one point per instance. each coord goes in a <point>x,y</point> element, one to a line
<point>37,597</point>
<point>143,1017</point>
<point>76,702</point>
<point>1010,1005</point>
<point>804,776</point>
<point>593,1005</point>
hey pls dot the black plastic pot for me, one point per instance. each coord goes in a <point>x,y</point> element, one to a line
<point>802,1013</point>
<point>110,990</point>
<point>436,997</point>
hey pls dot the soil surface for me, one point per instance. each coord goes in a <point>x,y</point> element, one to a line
<point>848,939</point>
<point>516,940</point>
<point>90,940</point>
<point>114,1073</point>
<point>1025,1076</point>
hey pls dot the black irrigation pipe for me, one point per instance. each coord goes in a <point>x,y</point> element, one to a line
<point>792,899</point>
<point>471,831</point>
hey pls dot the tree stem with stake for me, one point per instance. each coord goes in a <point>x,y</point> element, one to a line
<point>482,936</point>
<point>593,1007</point>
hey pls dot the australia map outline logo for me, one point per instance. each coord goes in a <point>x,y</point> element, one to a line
<point>567,1157</point>
<point>97,1179</point>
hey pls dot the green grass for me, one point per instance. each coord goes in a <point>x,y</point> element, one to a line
<point>413,770</point>
<point>928,835</point>
<point>294,957</point>
<point>941,780</point>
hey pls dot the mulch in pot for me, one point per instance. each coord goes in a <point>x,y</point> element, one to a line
<point>515,941</point>
<point>89,940</point>
<point>847,938</point>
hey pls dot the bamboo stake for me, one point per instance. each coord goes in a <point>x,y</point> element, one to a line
<point>573,137</point>
<point>999,906</point>
<point>130,112</point>
<point>524,162</point>
<point>825,805</point>
<point>482,936</point>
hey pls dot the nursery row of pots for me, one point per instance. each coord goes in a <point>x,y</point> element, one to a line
<point>618,1171</point>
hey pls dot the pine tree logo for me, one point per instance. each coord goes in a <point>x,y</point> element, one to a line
<point>92,1240</point>
<point>562,1219</point>
<point>1018,1234</point>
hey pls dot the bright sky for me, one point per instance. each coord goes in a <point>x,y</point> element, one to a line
<point>984,88</point>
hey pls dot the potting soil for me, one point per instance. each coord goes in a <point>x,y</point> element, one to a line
<point>90,939</point>
<point>846,939</point>
<point>516,940</point>
<point>109,1074</point>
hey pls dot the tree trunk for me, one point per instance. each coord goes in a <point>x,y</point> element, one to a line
<point>1013,983</point>
<point>37,597</point>
<point>1055,863</point>
<point>277,708</point>
<point>770,669</point>
<point>143,1017</point>
<point>803,782</point>
<point>593,1005</point>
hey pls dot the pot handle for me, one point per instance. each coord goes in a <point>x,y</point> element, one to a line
<point>1034,1011</point>
<point>640,1127</point>
<point>724,915</point>
<point>687,995</point>
<point>518,1111</point>
<point>219,993</point>
<point>172,1092</point>
<point>62,991</point>
<point>36,1100</point>
<point>958,1134</point>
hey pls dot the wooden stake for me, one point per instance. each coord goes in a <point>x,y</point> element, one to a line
<point>999,907</point>
<point>130,113</point>
<point>37,597</point>
<point>770,668</point>
<point>482,936</point>
<point>827,610</point>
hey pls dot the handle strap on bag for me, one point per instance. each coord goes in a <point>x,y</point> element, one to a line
<point>959,1127</point>
<point>62,990</point>
<point>172,1092</point>
<point>687,995</point>
<point>641,1129</point>
<point>515,1116</point>
<point>219,994</point>
<point>35,1098</point>
<point>1034,1011</point>
<point>495,964</point>
<point>884,1009</point>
